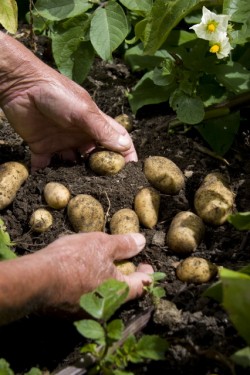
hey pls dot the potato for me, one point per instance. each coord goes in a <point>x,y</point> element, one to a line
<point>125,121</point>
<point>125,267</point>
<point>196,270</point>
<point>164,175</point>
<point>86,214</point>
<point>56,195</point>
<point>106,163</point>
<point>124,221</point>
<point>12,176</point>
<point>214,200</point>
<point>41,220</point>
<point>185,232</point>
<point>146,204</point>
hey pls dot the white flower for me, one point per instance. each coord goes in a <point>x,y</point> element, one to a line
<point>212,25</point>
<point>221,47</point>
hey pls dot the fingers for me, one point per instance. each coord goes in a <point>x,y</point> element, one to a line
<point>39,161</point>
<point>136,282</point>
<point>123,246</point>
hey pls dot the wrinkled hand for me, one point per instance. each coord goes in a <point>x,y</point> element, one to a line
<point>52,113</point>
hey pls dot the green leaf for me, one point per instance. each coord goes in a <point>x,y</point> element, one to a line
<point>56,10</point>
<point>158,276</point>
<point>189,110</point>
<point>89,348</point>
<point>109,28</point>
<point>164,16</point>
<point>146,92</point>
<point>90,329</point>
<point>152,347</point>
<point>138,61</point>
<point>34,371</point>
<point>105,300</point>
<point>158,291</point>
<point>5,367</point>
<point>236,300</point>
<point>5,243</point>
<point>115,329</point>
<point>238,10</point>
<point>220,132</point>
<point>138,5</point>
<point>72,55</point>
<point>8,15</point>
<point>242,357</point>
<point>214,291</point>
<point>240,221</point>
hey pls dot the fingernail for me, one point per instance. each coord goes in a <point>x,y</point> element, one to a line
<point>139,239</point>
<point>124,141</point>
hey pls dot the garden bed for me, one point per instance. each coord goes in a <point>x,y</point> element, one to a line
<point>203,339</point>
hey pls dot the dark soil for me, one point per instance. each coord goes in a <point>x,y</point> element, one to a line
<point>202,341</point>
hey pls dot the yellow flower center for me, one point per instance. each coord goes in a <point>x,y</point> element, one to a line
<point>211,27</point>
<point>215,48</point>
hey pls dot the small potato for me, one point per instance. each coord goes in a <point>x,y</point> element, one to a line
<point>146,204</point>
<point>41,220</point>
<point>125,121</point>
<point>86,214</point>
<point>125,267</point>
<point>56,195</point>
<point>214,199</point>
<point>124,221</point>
<point>106,163</point>
<point>164,175</point>
<point>12,176</point>
<point>196,270</point>
<point>185,232</point>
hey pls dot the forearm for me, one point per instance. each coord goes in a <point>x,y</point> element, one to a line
<point>17,65</point>
<point>26,285</point>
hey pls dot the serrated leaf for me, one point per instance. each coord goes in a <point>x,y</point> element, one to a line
<point>220,132</point>
<point>238,10</point>
<point>8,15</point>
<point>240,221</point>
<point>189,110</point>
<point>56,10</point>
<point>91,330</point>
<point>109,28</point>
<point>236,300</point>
<point>152,347</point>
<point>242,357</point>
<point>115,329</point>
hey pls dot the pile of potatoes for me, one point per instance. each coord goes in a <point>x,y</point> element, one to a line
<point>213,202</point>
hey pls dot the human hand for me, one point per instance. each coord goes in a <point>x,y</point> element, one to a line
<point>52,113</point>
<point>81,262</point>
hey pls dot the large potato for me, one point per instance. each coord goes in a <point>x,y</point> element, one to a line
<point>164,175</point>
<point>56,195</point>
<point>86,214</point>
<point>41,220</point>
<point>125,121</point>
<point>185,232</point>
<point>124,221</point>
<point>214,199</point>
<point>12,176</point>
<point>196,270</point>
<point>146,204</point>
<point>106,163</point>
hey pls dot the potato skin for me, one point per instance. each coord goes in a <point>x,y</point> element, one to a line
<point>12,176</point>
<point>196,270</point>
<point>85,214</point>
<point>41,220</point>
<point>125,267</point>
<point>146,205</point>
<point>124,221</point>
<point>164,175</point>
<point>185,232</point>
<point>106,163</point>
<point>56,195</point>
<point>214,199</point>
<point>125,121</point>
